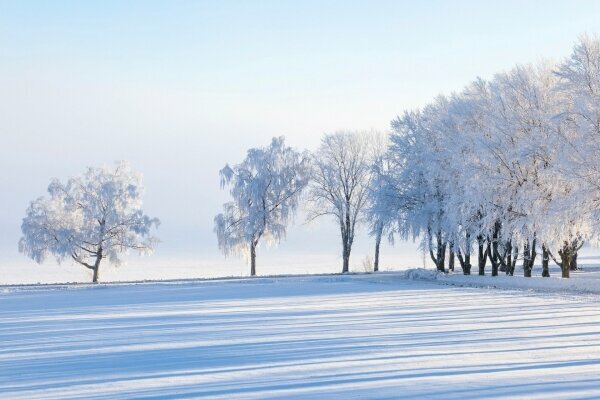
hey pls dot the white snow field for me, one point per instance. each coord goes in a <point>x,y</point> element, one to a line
<point>378,336</point>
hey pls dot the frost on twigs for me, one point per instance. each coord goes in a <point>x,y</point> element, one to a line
<point>89,218</point>
<point>265,190</point>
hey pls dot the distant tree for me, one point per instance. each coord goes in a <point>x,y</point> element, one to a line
<point>340,184</point>
<point>381,211</point>
<point>89,218</point>
<point>266,189</point>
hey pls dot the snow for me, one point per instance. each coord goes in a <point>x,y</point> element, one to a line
<point>353,336</point>
<point>583,281</point>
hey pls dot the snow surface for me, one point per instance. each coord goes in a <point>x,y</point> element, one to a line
<point>356,336</point>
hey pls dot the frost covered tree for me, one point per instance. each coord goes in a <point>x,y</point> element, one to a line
<point>380,214</point>
<point>266,189</point>
<point>89,218</point>
<point>340,183</point>
<point>579,152</point>
<point>510,163</point>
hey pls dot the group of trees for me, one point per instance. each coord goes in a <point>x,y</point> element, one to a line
<point>267,188</point>
<point>508,166</point>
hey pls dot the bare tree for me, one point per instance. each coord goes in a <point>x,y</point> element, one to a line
<point>340,183</point>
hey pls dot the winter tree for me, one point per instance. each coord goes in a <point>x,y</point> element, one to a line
<point>576,205</point>
<point>266,189</point>
<point>89,218</point>
<point>380,213</point>
<point>340,183</point>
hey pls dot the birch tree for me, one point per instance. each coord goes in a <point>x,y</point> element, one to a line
<point>89,218</point>
<point>266,189</point>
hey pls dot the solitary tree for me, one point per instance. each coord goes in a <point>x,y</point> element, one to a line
<point>89,218</point>
<point>340,183</point>
<point>266,189</point>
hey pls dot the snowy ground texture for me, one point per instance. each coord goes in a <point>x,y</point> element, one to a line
<point>382,336</point>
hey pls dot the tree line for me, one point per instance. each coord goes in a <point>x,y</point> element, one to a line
<point>504,170</point>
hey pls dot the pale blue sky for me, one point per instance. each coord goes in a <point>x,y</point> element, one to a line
<point>180,88</point>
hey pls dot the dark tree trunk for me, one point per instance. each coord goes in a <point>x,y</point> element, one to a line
<point>565,258</point>
<point>96,274</point>
<point>346,264</point>
<point>509,258</point>
<point>513,261</point>
<point>529,255</point>
<point>566,255</point>
<point>492,249</point>
<point>451,259</point>
<point>347,230</point>
<point>377,244</point>
<point>96,268</point>
<point>441,253</point>
<point>439,257</point>
<point>345,255</point>
<point>465,262</point>
<point>573,266</point>
<point>492,254</point>
<point>506,257</point>
<point>252,259</point>
<point>545,260</point>
<point>482,256</point>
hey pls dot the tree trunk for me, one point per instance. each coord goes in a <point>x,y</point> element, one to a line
<point>482,256</point>
<point>566,255</point>
<point>465,262</point>
<point>451,258</point>
<point>573,266</point>
<point>492,249</point>
<point>377,244</point>
<point>96,268</point>
<point>346,264</point>
<point>545,260</point>
<point>345,255</point>
<point>492,253</point>
<point>529,255</point>
<point>509,258</point>
<point>565,267</point>
<point>252,259</point>
<point>515,257</point>
<point>95,277</point>
<point>526,258</point>
<point>440,254</point>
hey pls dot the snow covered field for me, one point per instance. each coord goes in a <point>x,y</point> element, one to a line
<point>358,336</point>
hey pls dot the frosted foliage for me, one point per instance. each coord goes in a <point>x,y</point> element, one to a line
<point>265,190</point>
<point>515,159</point>
<point>382,210</point>
<point>94,216</point>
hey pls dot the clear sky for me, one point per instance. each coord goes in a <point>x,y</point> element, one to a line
<point>181,88</point>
